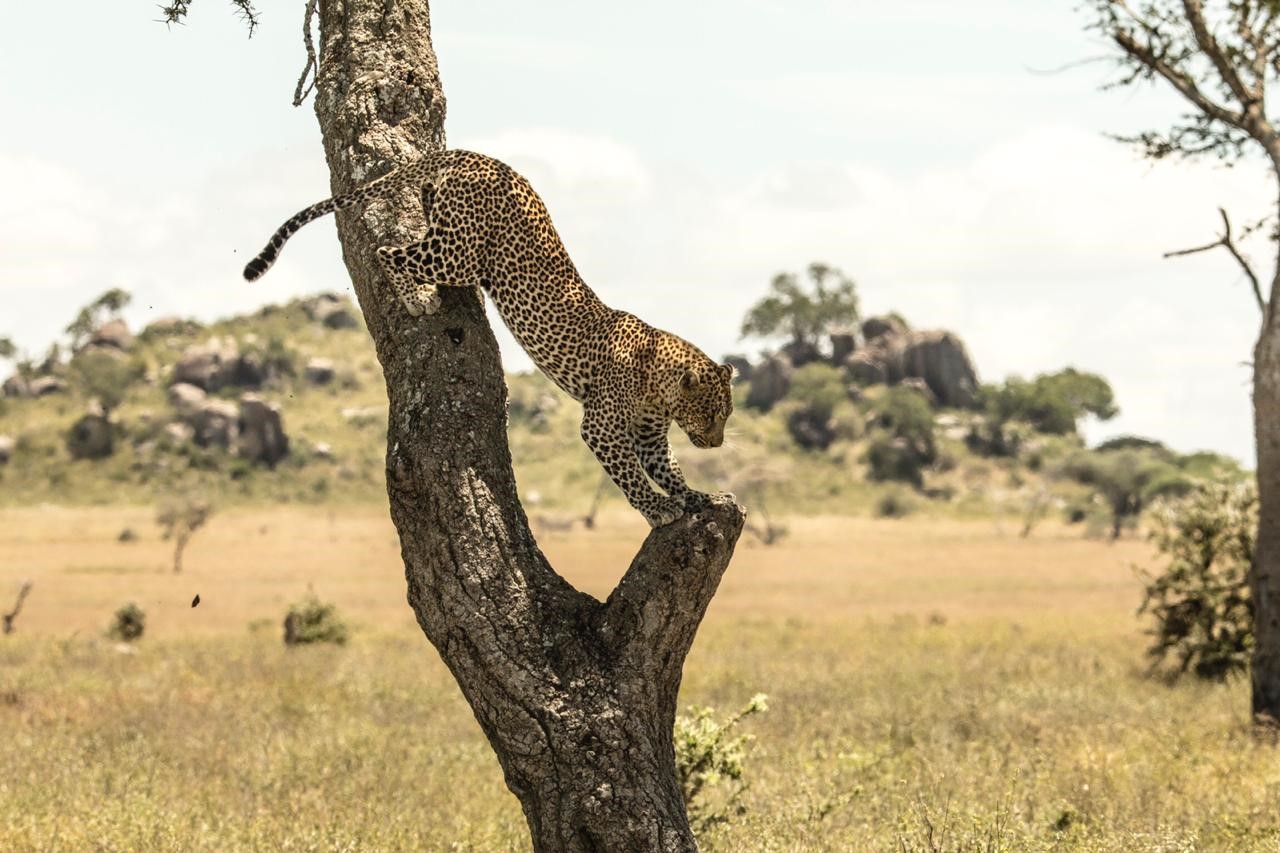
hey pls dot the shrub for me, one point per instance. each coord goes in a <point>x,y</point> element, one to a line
<point>312,621</point>
<point>892,459</point>
<point>894,504</point>
<point>709,757</point>
<point>129,623</point>
<point>1200,602</point>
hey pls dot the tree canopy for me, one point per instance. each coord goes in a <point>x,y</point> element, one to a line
<point>804,315</point>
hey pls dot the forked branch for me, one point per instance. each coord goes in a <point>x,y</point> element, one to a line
<point>1227,242</point>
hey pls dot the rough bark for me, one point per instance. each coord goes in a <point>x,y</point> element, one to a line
<point>1264,578</point>
<point>577,697</point>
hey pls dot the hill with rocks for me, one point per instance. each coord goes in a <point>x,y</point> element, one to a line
<point>287,405</point>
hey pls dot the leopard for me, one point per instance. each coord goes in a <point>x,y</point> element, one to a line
<point>486,227</point>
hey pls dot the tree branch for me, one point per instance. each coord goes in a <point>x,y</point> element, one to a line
<point>1176,78</point>
<point>299,94</point>
<point>1245,94</point>
<point>1227,242</point>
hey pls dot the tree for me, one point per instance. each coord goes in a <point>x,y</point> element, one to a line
<point>90,317</point>
<point>804,316</point>
<point>576,696</point>
<point>180,519</point>
<point>104,377</point>
<point>1221,61</point>
<point>1127,480</point>
<point>7,348</point>
<point>1053,403</point>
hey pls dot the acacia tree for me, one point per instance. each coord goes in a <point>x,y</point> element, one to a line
<point>804,315</point>
<point>576,696</point>
<point>1221,58</point>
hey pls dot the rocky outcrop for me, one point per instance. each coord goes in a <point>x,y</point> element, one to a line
<point>186,398</point>
<point>43,386</point>
<point>800,353</point>
<point>331,311</point>
<point>843,345</point>
<point>215,424</point>
<point>878,327</point>
<point>261,431</point>
<point>208,366</point>
<point>16,387</point>
<point>91,437</point>
<point>113,334</point>
<point>770,381</point>
<point>319,371</point>
<point>938,359</point>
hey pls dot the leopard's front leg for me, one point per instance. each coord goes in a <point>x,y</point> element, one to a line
<point>419,296</point>
<point>608,435</point>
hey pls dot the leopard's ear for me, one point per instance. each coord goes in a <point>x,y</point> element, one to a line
<point>729,371</point>
<point>690,380</point>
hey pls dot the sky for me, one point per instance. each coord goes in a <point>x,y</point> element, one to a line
<point>933,151</point>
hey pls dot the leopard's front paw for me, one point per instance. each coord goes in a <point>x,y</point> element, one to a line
<point>662,510</point>
<point>427,299</point>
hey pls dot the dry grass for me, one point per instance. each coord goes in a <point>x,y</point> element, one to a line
<point>934,685</point>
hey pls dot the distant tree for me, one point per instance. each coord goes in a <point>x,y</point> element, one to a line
<point>804,315</point>
<point>105,377</point>
<point>108,305</point>
<point>1127,481</point>
<point>7,348</point>
<point>1220,61</point>
<point>1052,403</point>
<point>180,519</point>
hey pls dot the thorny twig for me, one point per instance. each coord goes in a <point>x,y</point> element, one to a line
<point>312,66</point>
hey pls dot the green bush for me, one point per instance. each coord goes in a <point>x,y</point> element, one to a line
<point>893,460</point>
<point>709,763</point>
<point>313,621</point>
<point>128,624</point>
<point>1051,403</point>
<point>1200,602</point>
<point>894,504</point>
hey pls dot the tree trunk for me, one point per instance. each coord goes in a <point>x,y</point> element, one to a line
<point>1264,580</point>
<point>577,697</point>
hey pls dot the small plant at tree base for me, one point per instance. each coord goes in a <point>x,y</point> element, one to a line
<point>7,620</point>
<point>129,623</point>
<point>709,756</point>
<point>1200,602</point>
<point>180,520</point>
<point>313,621</point>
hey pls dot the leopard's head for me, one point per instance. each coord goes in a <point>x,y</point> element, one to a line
<point>704,401</point>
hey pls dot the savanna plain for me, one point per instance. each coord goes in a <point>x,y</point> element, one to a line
<point>933,684</point>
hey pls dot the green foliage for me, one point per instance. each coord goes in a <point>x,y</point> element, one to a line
<point>313,621</point>
<point>1126,480</point>
<point>903,443</point>
<point>804,316</point>
<point>816,395</point>
<point>709,757</point>
<point>90,316</point>
<point>7,348</point>
<point>128,624</point>
<point>820,387</point>
<point>1052,403</point>
<point>104,376</point>
<point>1200,601</point>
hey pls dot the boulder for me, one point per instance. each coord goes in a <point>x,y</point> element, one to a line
<point>216,423</point>
<point>42,386</point>
<point>209,366</point>
<point>261,431</point>
<point>920,387</point>
<point>842,346</point>
<point>878,327</point>
<point>16,386</point>
<point>7,446</point>
<point>91,437</point>
<point>179,432</point>
<point>319,371</point>
<point>113,334</point>
<point>186,398</point>
<point>331,310</point>
<point>810,430</point>
<point>938,359</point>
<point>770,381</point>
<point>800,353</point>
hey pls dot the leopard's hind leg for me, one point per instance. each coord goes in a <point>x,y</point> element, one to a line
<point>443,258</point>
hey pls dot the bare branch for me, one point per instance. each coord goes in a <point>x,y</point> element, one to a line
<point>299,95</point>
<point>1209,45</point>
<point>1180,80</point>
<point>176,13</point>
<point>1227,242</point>
<point>8,618</point>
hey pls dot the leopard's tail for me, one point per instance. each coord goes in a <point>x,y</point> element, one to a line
<point>403,176</point>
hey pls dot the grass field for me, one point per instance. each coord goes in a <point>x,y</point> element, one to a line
<point>933,685</point>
